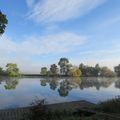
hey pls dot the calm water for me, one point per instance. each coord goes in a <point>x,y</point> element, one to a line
<point>21,92</point>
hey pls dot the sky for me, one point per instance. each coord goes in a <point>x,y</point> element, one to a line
<point>40,32</point>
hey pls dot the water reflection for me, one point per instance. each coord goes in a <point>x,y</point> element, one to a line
<point>64,88</point>
<point>21,91</point>
<point>65,85</point>
<point>117,84</point>
<point>96,82</point>
<point>43,82</point>
<point>9,83</point>
<point>53,82</point>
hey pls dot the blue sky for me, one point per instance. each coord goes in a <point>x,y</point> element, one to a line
<point>40,32</point>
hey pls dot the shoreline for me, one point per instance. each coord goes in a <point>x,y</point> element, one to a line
<point>59,76</point>
<point>75,107</point>
<point>62,105</point>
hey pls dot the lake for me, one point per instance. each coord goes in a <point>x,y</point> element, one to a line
<point>22,92</point>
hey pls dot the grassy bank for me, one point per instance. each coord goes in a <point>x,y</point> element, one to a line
<point>80,110</point>
<point>108,110</point>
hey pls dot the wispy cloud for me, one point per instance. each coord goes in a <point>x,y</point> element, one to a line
<point>30,3</point>
<point>101,53</point>
<point>47,11</point>
<point>109,21</point>
<point>37,45</point>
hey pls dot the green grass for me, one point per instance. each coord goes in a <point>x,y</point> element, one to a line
<point>110,106</point>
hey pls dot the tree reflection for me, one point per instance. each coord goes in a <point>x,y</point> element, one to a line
<point>96,82</point>
<point>11,83</point>
<point>64,88</point>
<point>43,82</point>
<point>65,85</point>
<point>53,84</point>
<point>117,83</point>
<point>0,80</point>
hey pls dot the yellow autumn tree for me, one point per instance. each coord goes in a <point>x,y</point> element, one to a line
<point>75,72</point>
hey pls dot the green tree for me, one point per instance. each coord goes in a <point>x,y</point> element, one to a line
<point>12,70</point>
<point>3,22</point>
<point>43,71</point>
<point>49,73</point>
<point>97,70</point>
<point>63,62</point>
<point>106,72</point>
<point>83,69</point>
<point>117,70</point>
<point>2,72</point>
<point>54,69</point>
<point>68,69</point>
<point>90,71</point>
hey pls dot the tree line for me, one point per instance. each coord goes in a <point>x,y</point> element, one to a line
<point>65,68</point>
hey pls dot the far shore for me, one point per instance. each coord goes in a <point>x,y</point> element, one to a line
<point>57,76</point>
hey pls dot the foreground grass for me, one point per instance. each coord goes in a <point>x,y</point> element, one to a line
<point>110,106</point>
<point>108,110</point>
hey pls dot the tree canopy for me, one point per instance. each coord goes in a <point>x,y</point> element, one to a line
<point>75,72</point>
<point>63,63</point>
<point>117,69</point>
<point>43,71</point>
<point>54,69</point>
<point>12,70</point>
<point>3,23</point>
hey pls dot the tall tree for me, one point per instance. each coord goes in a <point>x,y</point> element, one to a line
<point>2,72</point>
<point>106,72</point>
<point>12,70</point>
<point>54,69</point>
<point>63,62</point>
<point>43,71</point>
<point>83,69</point>
<point>117,70</point>
<point>3,23</point>
<point>97,70</point>
<point>68,69</point>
